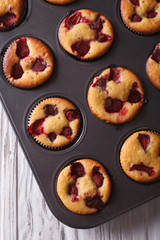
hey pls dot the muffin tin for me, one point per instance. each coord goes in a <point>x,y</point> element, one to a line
<point>70,79</point>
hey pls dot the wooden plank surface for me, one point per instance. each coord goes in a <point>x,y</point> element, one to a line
<point>24,214</point>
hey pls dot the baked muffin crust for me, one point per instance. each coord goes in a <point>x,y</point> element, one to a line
<point>60,1</point>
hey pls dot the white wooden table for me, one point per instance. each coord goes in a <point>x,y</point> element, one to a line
<point>24,214</point>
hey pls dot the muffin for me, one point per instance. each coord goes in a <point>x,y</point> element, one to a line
<point>84,187</point>
<point>86,34</point>
<point>60,1</point>
<point>116,95</point>
<point>11,13</point>
<point>27,63</point>
<point>141,16</point>
<point>54,122</point>
<point>140,158</point>
<point>153,67</point>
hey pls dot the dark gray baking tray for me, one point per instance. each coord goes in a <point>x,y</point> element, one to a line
<point>70,79</point>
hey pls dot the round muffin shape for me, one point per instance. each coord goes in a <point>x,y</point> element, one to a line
<point>116,95</point>
<point>60,1</point>
<point>86,34</point>
<point>54,122</point>
<point>141,16</point>
<point>140,156</point>
<point>153,67</point>
<point>84,187</point>
<point>11,13</point>
<point>27,63</point>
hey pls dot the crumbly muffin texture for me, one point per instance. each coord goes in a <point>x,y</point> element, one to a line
<point>60,1</point>
<point>153,67</point>
<point>142,16</point>
<point>86,34</point>
<point>140,156</point>
<point>10,13</point>
<point>84,187</point>
<point>54,122</point>
<point>116,95</point>
<point>27,63</point>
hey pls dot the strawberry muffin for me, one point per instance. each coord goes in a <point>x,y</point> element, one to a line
<point>140,158</point>
<point>141,16</point>
<point>86,34</point>
<point>116,95</point>
<point>54,122</point>
<point>84,187</point>
<point>153,67</point>
<point>27,63</point>
<point>11,13</point>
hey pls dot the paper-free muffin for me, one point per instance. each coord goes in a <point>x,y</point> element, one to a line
<point>84,187</point>
<point>116,95</point>
<point>54,122</point>
<point>86,34</point>
<point>11,13</point>
<point>153,67</point>
<point>140,158</point>
<point>141,16</point>
<point>60,1</point>
<point>27,63</point>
